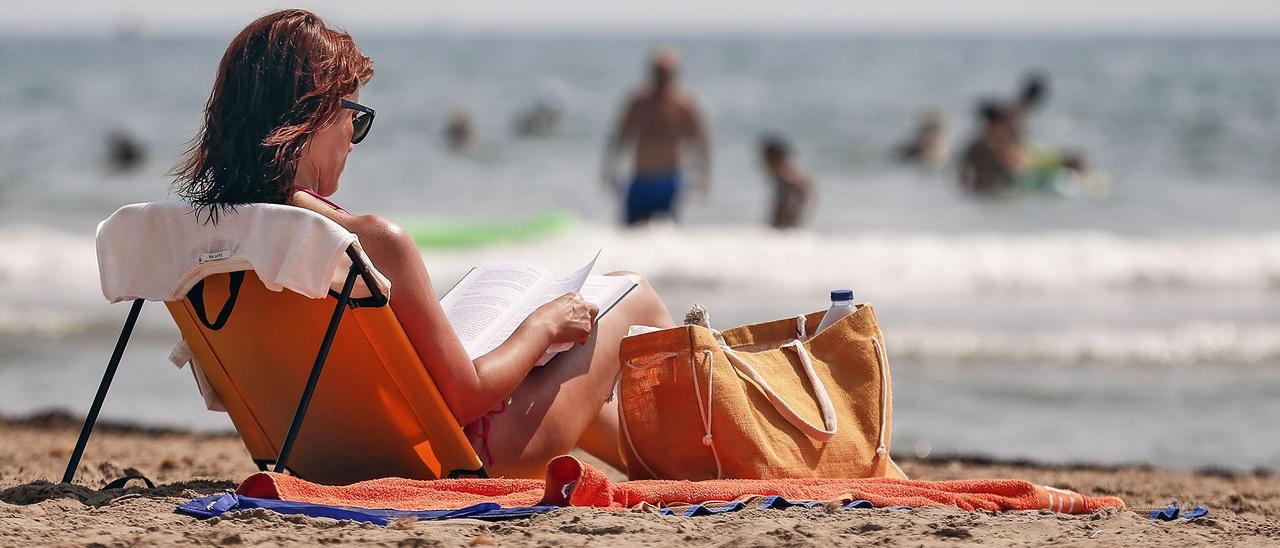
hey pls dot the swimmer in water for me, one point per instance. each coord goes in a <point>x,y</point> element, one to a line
<point>792,188</point>
<point>928,146</point>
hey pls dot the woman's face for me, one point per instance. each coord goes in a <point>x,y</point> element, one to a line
<point>325,155</point>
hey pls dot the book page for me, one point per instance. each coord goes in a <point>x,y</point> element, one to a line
<point>605,291</point>
<point>602,291</point>
<point>552,291</point>
<point>484,301</point>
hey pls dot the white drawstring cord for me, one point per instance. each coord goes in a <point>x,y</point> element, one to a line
<point>705,413</point>
<point>884,394</point>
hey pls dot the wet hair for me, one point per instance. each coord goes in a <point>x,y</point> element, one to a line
<point>281,80</point>
<point>991,110</point>
<point>775,145</point>
<point>1034,88</point>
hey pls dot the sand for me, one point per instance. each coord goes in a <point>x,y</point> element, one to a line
<point>1244,508</point>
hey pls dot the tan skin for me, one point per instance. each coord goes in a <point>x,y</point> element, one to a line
<point>658,120</point>
<point>553,408</point>
<point>792,191</point>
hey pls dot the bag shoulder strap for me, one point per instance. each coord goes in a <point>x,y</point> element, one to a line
<point>820,393</point>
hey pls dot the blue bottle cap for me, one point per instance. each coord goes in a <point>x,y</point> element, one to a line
<point>842,295</point>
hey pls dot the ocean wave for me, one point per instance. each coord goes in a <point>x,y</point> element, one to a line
<point>910,264</point>
<point>63,266</point>
<point>49,285</point>
<point>1187,344</point>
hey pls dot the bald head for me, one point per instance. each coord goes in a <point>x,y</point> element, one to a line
<point>663,67</point>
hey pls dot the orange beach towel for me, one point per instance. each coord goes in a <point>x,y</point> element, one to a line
<point>571,483</point>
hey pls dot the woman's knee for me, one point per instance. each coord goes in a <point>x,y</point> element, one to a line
<point>645,297</point>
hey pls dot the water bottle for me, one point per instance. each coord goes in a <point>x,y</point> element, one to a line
<point>841,306</point>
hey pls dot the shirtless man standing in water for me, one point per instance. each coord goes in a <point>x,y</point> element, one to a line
<point>658,120</point>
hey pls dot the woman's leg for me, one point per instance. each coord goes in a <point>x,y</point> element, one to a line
<point>602,438</point>
<point>555,405</point>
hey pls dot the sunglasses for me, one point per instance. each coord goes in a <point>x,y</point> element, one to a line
<point>362,121</point>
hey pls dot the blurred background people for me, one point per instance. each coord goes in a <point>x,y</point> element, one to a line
<point>460,131</point>
<point>543,116</point>
<point>993,158</point>
<point>656,123</point>
<point>1001,159</point>
<point>124,153</point>
<point>928,146</point>
<point>792,188</point>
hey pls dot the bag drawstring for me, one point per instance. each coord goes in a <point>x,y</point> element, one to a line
<point>884,394</point>
<point>705,413</point>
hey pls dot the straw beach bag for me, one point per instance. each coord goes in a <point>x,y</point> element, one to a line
<point>766,401</point>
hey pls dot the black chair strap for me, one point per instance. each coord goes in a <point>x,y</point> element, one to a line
<point>460,473</point>
<point>117,484</point>
<point>196,296</point>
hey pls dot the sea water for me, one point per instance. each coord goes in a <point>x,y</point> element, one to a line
<point>1143,327</point>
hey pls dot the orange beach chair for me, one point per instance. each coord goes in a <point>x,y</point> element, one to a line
<point>327,388</point>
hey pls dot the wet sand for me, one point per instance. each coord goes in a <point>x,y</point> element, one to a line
<point>1244,508</point>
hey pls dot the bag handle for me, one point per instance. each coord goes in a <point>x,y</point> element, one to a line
<point>819,392</point>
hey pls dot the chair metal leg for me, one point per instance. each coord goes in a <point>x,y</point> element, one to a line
<point>329,334</point>
<point>92,418</point>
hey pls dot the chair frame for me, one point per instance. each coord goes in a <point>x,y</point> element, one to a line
<point>376,298</point>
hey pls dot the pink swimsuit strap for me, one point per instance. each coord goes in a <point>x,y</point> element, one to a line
<point>318,197</point>
<point>482,426</point>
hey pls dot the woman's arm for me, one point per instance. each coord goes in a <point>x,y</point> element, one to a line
<point>470,388</point>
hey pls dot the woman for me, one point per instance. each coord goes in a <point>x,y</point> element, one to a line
<point>283,115</point>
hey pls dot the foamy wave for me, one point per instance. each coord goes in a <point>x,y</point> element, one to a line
<point>49,283</point>
<point>63,267</point>
<point>1183,345</point>
<point>905,265</point>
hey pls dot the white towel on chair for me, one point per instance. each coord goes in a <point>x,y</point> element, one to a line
<point>157,251</point>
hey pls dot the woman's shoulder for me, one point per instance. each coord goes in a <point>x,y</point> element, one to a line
<point>374,226</point>
<point>361,225</point>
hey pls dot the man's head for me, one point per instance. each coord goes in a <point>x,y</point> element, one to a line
<point>1035,86</point>
<point>663,67</point>
<point>774,150</point>
<point>992,112</point>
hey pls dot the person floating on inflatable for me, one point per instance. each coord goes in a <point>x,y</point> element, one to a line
<point>999,161</point>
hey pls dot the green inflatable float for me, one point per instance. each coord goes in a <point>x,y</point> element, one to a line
<point>442,234</point>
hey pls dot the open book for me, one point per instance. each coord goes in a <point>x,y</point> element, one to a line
<point>492,300</point>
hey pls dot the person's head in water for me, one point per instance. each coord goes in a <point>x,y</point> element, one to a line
<point>1035,88</point>
<point>663,68</point>
<point>992,112</point>
<point>278,116</point>
<point>775,151</point>
<point>123,152</point>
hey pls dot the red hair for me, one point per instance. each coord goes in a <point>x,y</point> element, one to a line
<point>281,80</point>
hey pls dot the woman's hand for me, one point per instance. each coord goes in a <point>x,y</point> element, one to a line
<point>568,319</point>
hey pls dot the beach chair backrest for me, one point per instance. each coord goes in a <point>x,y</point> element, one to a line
<point>375,411</point>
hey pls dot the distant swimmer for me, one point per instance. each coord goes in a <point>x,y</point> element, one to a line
<point>993,159</point>
<point>124,153</point>
<point>460,132</point>
<point>538,120</point>
<point>1000,159</point>
<point>928,146</point>
<point>657,121</point>
<point>792,188</point>
<point>543,116</point>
